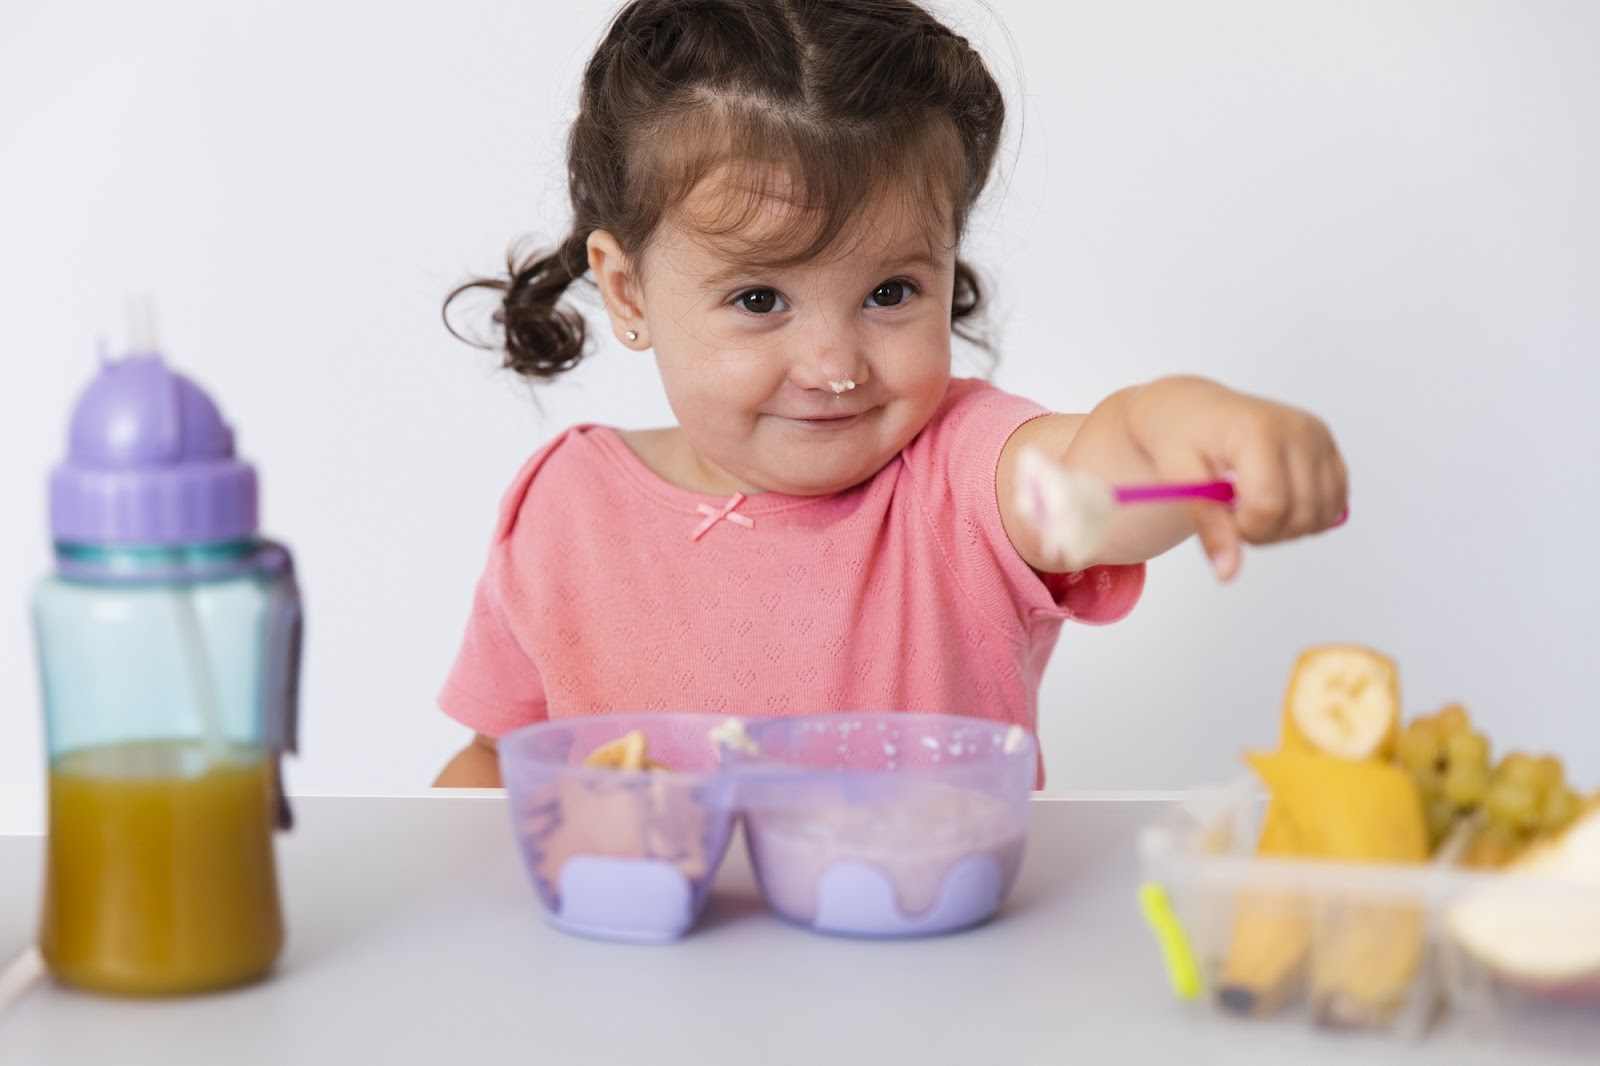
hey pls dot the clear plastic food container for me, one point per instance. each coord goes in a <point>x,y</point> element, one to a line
<point>618,854</point>
<point>1380,947</point>
<point>885,824</point>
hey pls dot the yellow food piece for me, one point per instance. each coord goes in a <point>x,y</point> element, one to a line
<point>1365,956</point>
<point>1343,700</point>
<point>1266,964</point>
<point>1358,811</point>
<point>624,753</point>
<point>1364,959</point>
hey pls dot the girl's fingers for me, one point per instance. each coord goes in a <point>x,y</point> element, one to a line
<point>1263,495</point>
<point>1308,496</point>
<point>1218,537</point>
<point>1212,522</point>
<point>1342,474</point>
<point>1331,488</point>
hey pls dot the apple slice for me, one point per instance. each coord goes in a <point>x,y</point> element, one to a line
<point>1540,924</point>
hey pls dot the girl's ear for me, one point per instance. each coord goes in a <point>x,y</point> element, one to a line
<point>613,274</point>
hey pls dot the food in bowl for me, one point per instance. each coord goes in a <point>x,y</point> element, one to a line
<point>930,859</point>
<point>886,824</point>
<point>627,752</point>
<point>615,852</point>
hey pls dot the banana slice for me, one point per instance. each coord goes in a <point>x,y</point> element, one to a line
<point>624,753</point>
<point>1343,700</point>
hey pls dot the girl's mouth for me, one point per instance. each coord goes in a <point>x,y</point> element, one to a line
<point>832,422</point>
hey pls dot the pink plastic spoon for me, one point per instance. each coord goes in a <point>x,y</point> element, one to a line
<point>1220,491</point>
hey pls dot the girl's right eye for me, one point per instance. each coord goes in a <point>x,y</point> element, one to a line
<point>759,301</point>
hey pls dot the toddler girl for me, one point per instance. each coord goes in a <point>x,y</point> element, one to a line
<point>769,196</point>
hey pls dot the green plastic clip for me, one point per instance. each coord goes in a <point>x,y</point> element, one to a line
<point>1182,969</point>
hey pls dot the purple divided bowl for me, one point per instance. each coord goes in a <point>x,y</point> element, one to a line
<point>885,824</point>
<point>621,855</point>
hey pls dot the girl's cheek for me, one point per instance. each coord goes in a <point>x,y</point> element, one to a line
<point>921,347</point>
<point>751,370</point>
<point>720,364</point>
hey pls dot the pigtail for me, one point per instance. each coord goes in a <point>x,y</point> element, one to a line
<point>966,307</point>
<point>540,338</point>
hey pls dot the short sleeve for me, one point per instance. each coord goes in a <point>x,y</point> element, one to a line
<point>493,687</point>
<point>1099,595</point>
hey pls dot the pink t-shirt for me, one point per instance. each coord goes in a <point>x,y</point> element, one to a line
<point>902,593</point>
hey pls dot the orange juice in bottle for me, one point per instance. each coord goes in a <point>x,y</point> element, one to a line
<point>168,641</point>
<point>159,871</point>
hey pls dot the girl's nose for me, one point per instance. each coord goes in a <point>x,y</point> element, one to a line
<point>832,362</point>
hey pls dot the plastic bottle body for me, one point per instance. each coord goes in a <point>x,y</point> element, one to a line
<point>162,673</point>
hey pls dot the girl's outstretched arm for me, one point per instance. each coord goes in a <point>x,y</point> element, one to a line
<point>1288,476</point>
<point>475,766</point>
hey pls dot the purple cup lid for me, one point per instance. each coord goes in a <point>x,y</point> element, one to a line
<point>150,462</point>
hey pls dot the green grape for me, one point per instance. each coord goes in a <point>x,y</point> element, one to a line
<point>1466,783</point>
<point>1467,749</point>
<point>1441,816</point>
<point>1418,747</point>
<point>1451,720</point>
<point>1512,803</point>
<point>1429,782</point>
<point>1561,807</point>
<point>1518,767</point>
<point>1548,774</point>
<point>1494,845</point>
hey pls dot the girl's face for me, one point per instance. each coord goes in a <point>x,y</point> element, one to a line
<point>758,362</point>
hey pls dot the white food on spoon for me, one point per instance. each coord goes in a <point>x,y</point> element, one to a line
<point>1071,510</point>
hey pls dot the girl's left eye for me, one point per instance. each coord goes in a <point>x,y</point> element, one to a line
<point>759,301</point>
<point>891,293</point>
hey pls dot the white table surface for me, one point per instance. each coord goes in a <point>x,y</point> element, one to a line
<point>414,938</point>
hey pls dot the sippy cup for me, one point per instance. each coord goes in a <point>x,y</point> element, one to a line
<point>168,641</point>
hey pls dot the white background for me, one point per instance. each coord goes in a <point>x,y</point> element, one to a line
<point>1383,211</point>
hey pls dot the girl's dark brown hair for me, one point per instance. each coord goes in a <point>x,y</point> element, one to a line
<point>831,105</point>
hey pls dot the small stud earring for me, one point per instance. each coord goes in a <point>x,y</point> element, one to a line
<point>632,335</point>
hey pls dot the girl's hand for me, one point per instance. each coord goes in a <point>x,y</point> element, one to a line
<point>1289,479</point>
